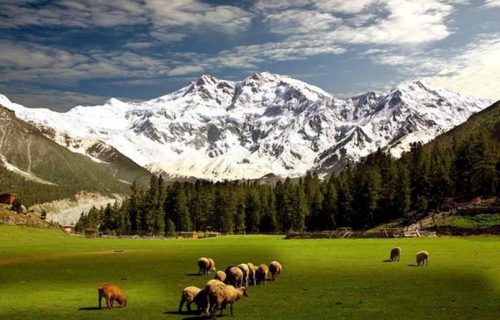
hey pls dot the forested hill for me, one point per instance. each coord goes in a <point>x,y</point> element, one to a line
<point>40,170</point>
<point>460,165</point>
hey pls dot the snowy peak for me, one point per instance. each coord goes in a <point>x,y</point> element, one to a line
<point>265,124</point>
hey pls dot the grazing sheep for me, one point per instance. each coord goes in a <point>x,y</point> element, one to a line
<point>211,287</point>
<point>189,295</point>
<point>275,268</point>
<point>251,273</point>
<point>220,275</point>
<point>220,295</point>
<point>246,271</point>
<point>422,258</point>
<point>395,254</point>
<point>211,267</point>
<point>234,276</point>
<point>111,293</point>
<point>261,274</point>
<point>204,265</point>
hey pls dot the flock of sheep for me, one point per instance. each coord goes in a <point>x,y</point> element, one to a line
<point>228,286</point>
<point>422,256</point>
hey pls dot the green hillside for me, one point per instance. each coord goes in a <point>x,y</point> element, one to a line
<point>39,170</point>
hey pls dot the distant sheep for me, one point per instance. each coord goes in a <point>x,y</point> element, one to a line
<point>395,254</point>
<point>261,274</point>
<point>251,273</point>
<point>246,271</point>
<point>220,275</point>
<point>220,295</point>
<point>211,267</point>
<point>234,276</point>
<point>204,265</point>
<point>111,293</point>
<point>193,294</point>
<point>422,258</point>
<point>275,268</point>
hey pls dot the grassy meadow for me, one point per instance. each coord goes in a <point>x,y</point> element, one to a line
<point>45,274</point>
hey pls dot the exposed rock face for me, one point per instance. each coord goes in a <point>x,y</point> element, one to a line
<point>266,124</point>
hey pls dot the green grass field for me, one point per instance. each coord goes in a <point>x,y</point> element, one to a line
<point>45,274</point>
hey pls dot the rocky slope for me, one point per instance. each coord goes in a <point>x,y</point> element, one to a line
<point>266,124</point>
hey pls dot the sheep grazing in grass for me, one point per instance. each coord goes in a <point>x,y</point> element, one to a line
<point>212,286</point>
<point>275,269</point>
<point>261,274</point>
<point>395,254</point>
<point>193,294</point>
<point>220,275</point>
<point>111,293</point>
<point>220,295</point>
<point>234,276</point>
<point>204,265</point>
<point>422,258</point>
<point>211,267</point>
<point>246,272</point>
<point>251,273</point>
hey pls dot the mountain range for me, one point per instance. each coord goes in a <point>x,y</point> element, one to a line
<point>266,124</point>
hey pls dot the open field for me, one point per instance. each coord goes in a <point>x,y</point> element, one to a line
<point>45,274</point>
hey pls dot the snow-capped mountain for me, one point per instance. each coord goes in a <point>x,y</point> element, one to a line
<point>267,123</point>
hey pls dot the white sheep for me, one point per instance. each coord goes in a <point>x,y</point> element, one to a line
<point>251,273</point>
<point>261,274</point>
<point>275,268</point>
<point>234,276</point>
<point>193,294</point>
<point>220,295</point>
<point>220,275</point>
<point>246,272</point>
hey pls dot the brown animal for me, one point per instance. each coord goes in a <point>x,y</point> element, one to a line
<point>275,268</point>
<point>246,272</point>
<point>220,275</point>
<point>111,293</point>
<point>251,273</point>
<point>211,267</point>
<point>234,276</point>
<point>204,265</point>
<point>395,254</point>
<point>261,274</point>
<point>193,294</point>
<point>220,295</point>
<point>422,258</point>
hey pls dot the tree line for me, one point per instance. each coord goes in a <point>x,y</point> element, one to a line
<point>376,190</point>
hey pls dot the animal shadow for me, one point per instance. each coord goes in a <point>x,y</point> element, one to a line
<point>89,309</point>
<point>413,265</point>
<point>193,315</point>
<point>387,260</point>
<point>193,274</point>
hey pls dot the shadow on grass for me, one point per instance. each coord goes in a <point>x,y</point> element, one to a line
<point>89,309</point>
<point>193,315</point>
<point>193,274</point>
<point>387,260</point>
<point>413,265</point>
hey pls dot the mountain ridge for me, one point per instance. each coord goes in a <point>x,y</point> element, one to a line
<point>265,124</point>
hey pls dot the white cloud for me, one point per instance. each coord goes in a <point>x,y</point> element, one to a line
<point>475,72</point>
<point>492,3</point>
<point>296,21</point>
<point>344,6</point>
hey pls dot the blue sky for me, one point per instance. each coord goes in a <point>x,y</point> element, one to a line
<point>62,53</point>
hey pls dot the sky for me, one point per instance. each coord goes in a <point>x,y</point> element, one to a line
<point>59,54</point>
